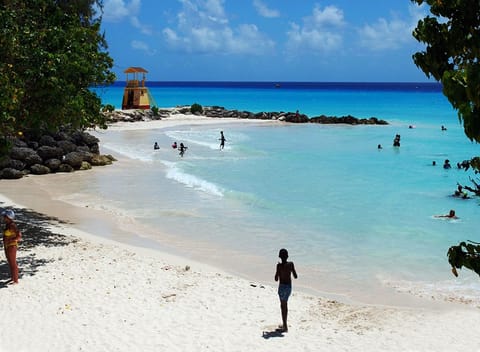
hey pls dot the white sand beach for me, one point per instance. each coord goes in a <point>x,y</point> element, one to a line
<point>82,291</point>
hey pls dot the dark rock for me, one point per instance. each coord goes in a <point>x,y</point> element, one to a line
<point>67,146</point>
<point>86,156</point>
<point>184,110</point>
<point>32,159</point>
<point>5,162</point>
<point>74,159</point>
<point>53,164</point>
<point>351,120</point>
<point>296,118</point>
<point>101,160</point>
<point>21,153</point>
<point>83,149</point>
<point>59,152</point>
<point>89,140</point>
<point>17,164</point>
<point>220,112</point>
<point>376,121</point>
<point>11,174</point>
<point>19,143</point>
<point>110,157</point>
<point>47,140</point>
<point>47,152</point>
<point>38,169</point>
<point>95,149</point>
<point>33,145</point>
<point>65,168</point>
<point>62,136</point>
<point>85,166</point>
<point>84,138</point>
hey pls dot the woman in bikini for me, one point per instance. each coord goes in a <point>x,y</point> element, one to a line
<point>11,237</point>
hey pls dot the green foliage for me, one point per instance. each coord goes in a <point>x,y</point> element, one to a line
<point>154,110</point>
<point>475,162</point>
<point>196,108</point>
<point>452,38</point>
<point>451,56</point>
<point>464,255</point>
<point>51,53</point>
<point>108,108</point>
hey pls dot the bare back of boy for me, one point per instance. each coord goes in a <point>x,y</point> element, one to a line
<point>284,273</point>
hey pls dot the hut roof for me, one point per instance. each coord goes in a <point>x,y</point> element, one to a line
<point>135,69</point>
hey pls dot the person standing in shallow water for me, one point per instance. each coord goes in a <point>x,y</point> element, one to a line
<point>11,237</point>
<point>182,149</point>
<point>396,141</point>
<point>284,273</point>
<point>222,140</point>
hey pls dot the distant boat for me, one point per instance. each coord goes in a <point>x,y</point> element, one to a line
<point>136,95</point>
<point>277,85</point>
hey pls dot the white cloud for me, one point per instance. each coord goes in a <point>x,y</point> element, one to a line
<point>331,15</point>
<point>142,46</point>
<point>215,10</point>
<point>247,40</point>
<point>393,33</point>
<point>264,11</point>
<point>144,29</point>
<point>117,10</point>
<point>320,32</point>
<point>203,27</point>
<point>139,45</point>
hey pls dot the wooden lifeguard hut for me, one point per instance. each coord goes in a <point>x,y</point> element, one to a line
<point>136,95</point>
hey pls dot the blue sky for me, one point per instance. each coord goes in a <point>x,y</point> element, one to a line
<point>265,40</point>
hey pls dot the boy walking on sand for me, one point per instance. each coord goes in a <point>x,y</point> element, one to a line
<point>284,271</point>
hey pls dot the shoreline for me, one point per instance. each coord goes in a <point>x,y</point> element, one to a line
<point>106,224</point>
<point>81,291</point>
<point>91,217</point>
<point>130,297</point>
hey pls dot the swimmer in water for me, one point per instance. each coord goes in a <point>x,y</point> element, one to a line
<point>450,215</point>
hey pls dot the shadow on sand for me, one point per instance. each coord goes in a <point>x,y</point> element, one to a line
<point>34,227</point>
<point>273,333</point>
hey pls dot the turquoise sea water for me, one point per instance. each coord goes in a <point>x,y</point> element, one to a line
<point>357,221</point>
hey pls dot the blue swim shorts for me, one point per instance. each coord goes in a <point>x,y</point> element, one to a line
<point>284,291</point>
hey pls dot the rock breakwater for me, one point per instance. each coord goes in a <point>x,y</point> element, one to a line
<point>57,152</point>
<point>221,112</point>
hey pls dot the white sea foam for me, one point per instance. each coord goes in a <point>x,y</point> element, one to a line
<point>462,290</point>
<point>206,138</point>
<point>133,151</point>
<point>201,138</point>
<point>191,181</point>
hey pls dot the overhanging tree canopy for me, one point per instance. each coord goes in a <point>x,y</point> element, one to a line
<point>452,38</point>
<point>51,52</point>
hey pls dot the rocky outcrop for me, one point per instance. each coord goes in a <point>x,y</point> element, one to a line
<point>221,112</point>
<point>133,115</point>
<point>49,153</point>
<point>350,120</point>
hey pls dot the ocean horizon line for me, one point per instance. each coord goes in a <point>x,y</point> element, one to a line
<point>296,85</point>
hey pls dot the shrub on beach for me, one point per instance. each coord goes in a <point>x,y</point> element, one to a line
<point>196,109</point>
<point>108,108</point>
<point>154,110</point>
